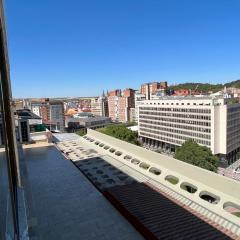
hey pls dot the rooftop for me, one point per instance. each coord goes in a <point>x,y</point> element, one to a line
<point>114,167</point>
<point>88,119</point>
<point>65,205</point>
<point>27,114</point>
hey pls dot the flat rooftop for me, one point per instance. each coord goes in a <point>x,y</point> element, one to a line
<point>60,137</point>
<point>115,167</point>
<point>65,205</point>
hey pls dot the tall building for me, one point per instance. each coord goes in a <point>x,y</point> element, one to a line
<point>36,107</point>
<point>63,190</point>
<point>99,106</point>
<point>211,122</point>
<point>150,88</point>
<point>139,97</point>
<point>56,109</point>
<point>51,112</point>
<point>120,103</point>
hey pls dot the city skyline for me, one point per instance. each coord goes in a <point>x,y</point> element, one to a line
<point>127,164</point>
<point>119,45</point>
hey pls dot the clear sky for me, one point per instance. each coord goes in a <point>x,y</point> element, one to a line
<point>79,48</point>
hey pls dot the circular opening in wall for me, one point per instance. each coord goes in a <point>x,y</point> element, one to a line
<point>127,157</point>
<point>172,179</point>
<point>232,208</point>
<point>118,153</point>
<point>155,171</point>
<point>209,197</point>
<point>135,161</point>
<point>144,165</point>
<point>112,150</point>
<point>188,187</point>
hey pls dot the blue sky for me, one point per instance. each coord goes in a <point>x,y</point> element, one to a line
<point>79,48</point>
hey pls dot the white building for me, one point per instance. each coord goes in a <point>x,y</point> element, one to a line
<point>99,106</point>
<point>139,97</point>
<point>210,121</point>
<point>36,109</point>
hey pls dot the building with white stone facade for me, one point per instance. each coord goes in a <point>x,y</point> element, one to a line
<point>210,121</point>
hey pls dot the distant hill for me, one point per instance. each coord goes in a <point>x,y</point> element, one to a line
<point>205,87</point>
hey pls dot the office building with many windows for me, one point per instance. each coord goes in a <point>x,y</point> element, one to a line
<point>97,187</point>
<point>210,121</point>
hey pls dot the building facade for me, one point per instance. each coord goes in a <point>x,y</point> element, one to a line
<point>56,109</point>
<point>51,112</point>
<point>150,88</point>
<point>120,103</point>
<point>99,106</point>
<point>211,122</point>
<point>93,123</point>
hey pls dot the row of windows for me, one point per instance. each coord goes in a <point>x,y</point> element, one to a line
<point>176,135</point>
<point>234,115</point>
<point>233,109</point>
<point>162,138</point>
<point>176,120</point>
<point>178,126</point>
<point>178,115</point>
<point>145,127</point>
<point>174,141</point>
<point>232,127</point>
<point>179,103</point>
<point>190,110</point>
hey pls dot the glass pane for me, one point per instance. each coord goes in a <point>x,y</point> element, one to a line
<point>6,217</point>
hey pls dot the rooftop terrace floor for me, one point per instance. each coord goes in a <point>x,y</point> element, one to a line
<point>65,205</point>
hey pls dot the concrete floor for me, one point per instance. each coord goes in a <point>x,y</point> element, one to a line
<point>65,205</point>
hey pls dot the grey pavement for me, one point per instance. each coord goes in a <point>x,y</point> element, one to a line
<point>66,205</point>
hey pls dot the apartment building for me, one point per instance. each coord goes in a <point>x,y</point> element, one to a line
<point>57,114</point>
<point>139,97</point>
<point>186,92</point>
<point>210,121</point>
<point>150,88</point>
<point>99,106</point>
<point>51,112</point>
<point>120,103</point>
<point>35,108</point>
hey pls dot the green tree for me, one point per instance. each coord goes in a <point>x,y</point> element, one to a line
<point>201,156</point>
<point>121,132</point>
<point>81,132</point>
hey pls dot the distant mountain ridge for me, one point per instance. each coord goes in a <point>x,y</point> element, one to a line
<point>205,87</point>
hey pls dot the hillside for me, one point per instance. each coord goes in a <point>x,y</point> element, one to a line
<point>205,87</point>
